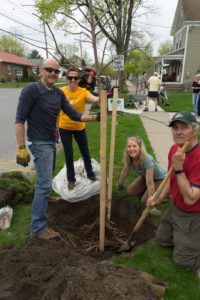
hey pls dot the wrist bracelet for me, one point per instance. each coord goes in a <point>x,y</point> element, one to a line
<point>178,171</point>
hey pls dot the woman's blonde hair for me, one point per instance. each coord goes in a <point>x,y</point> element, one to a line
<point>142,154</point>
<point>197,77</point>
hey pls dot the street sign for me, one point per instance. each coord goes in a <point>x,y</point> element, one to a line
<point>15,68</point>
<point>118,64</point>
<point>120,104</point>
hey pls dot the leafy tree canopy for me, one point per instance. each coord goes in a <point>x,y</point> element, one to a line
<point>164,47</point>
<point>10,45</point>
<point>138,61</point>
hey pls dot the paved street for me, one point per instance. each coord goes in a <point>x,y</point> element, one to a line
<point>8,101</point>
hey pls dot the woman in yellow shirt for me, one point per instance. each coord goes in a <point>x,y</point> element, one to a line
<point>68,128</point>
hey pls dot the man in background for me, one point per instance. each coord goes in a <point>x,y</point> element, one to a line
<point>143,86</point>
<point>154,85</point>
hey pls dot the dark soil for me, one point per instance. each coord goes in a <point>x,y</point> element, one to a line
<point>73,267</point>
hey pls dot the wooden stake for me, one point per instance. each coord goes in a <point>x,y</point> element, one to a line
<point>112,151</point>
<point>103,169</point>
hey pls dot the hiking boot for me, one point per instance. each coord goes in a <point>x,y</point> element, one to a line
<point>53,199</point>
<point>146,109</point>
<point>156,109</point>
<point>47,235</point>
<point>94,178</point>
<point>71,185</point>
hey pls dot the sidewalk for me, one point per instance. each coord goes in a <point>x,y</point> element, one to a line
<point>156,126</point>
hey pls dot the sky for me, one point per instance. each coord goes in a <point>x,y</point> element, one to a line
<point>16,17</point>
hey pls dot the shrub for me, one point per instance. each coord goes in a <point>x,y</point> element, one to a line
<point>34,77</point>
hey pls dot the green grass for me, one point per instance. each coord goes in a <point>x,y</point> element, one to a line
<point>60,82</point>
<point>156,260</point>
<point>178,101</point>
<point>13,85</point>
<point>18,233</point>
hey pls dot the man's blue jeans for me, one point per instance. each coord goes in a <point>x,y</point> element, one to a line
<point>44,153</point>
<point>195,98</point>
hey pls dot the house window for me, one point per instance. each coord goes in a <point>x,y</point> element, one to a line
<point>19,71</point>
<point>176,43</point>
<point>9,70</point>
<point>180,40</point>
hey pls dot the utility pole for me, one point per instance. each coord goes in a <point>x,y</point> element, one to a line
<point>45,39</point>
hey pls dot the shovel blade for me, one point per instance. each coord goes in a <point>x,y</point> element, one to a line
<point>126,247</point>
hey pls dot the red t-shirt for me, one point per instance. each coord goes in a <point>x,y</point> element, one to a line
<point>191,168</point>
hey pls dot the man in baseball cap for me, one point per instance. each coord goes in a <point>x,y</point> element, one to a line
<point>180,225</point>
<point>183,116</point>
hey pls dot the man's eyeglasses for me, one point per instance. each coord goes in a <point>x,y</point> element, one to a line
<point>50,70</point>
<point>73,77</point>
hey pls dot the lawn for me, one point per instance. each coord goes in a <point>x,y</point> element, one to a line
<point>61,82</point>
<point>178,101</point>
<point>151,258</point>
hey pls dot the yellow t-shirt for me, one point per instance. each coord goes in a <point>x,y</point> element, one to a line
<point>77,99</point>
<point>154,84</point>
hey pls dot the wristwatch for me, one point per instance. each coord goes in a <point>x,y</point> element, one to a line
<point>178,171</point>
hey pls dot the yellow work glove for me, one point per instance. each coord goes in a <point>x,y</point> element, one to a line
<point>23,156</point>
<point>96,117</point>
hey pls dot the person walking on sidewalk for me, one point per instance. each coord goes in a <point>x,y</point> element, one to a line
<point>143,86</point>
<point>39,104</point>
<point>180,225</point>
<point>195,94</point>
<point>77,97</point>
<point>154,85</point>
<point>150,172</point>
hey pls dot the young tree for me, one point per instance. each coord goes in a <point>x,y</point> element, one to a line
<point>101,22</point>
<point>10,45</point>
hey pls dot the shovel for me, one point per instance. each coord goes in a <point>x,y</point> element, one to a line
<point>129,245</point>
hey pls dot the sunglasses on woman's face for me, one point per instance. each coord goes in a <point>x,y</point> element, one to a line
<point>50,70</point>
<point>73,77</point>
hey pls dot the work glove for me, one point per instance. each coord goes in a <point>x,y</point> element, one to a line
<point>96,117</point>
<point>23,156</point>
<point>119,186</point>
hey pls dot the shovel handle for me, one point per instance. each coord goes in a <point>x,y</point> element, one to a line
<point>158,192</point>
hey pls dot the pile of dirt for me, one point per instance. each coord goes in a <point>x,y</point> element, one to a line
<point>73,268</point>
